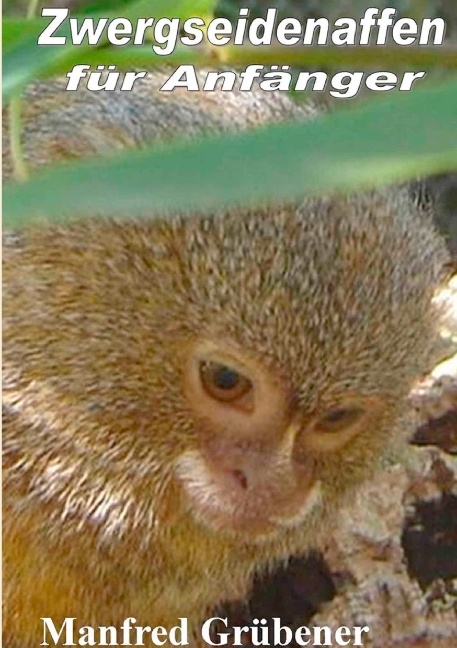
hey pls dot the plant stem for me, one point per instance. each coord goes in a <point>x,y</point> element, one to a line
<point>32,9</point>
<point>19,166</point>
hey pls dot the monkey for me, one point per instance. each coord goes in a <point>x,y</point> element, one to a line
<point>189,400</point>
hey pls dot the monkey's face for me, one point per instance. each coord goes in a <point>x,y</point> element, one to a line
<point>257,469</point>
<point>305,337</point>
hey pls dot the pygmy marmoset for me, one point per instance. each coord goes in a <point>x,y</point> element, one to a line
<point>190,399</point>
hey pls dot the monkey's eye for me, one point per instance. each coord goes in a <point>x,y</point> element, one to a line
<point>223,383</point>
<point>338,419</point>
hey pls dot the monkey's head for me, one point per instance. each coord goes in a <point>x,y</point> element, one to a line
<point>305,333</point>
<point>240,373</point>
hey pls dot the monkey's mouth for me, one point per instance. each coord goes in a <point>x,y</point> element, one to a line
<point>224,501</point>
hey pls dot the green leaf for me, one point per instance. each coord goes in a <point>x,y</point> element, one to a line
<point>24,59</point>
<point>104,7</point>
<point>383,140</point>
<point>15,30</point>
<point>180,9</point>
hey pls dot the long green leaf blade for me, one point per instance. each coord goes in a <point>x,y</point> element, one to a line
<point>380,141</point>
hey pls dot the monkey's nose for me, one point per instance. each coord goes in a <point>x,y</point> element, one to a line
<point>241,478</point>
